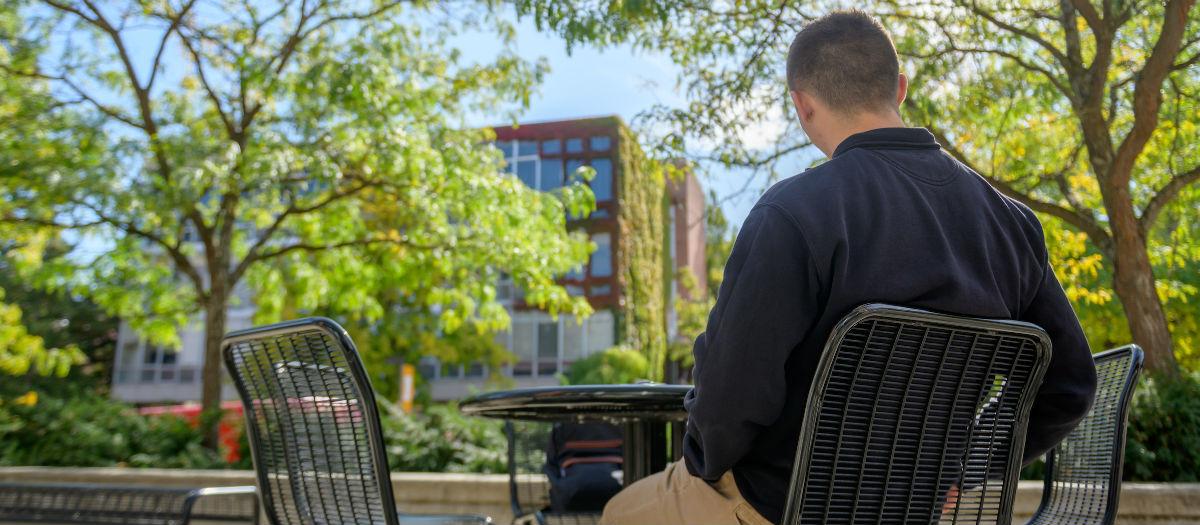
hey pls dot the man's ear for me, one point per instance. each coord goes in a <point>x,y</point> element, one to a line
<point>901,90</point>
<point>804,106</point>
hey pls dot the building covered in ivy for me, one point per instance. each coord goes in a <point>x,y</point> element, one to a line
<point>648,228</point>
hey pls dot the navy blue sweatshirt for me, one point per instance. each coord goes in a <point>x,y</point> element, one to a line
<point>890,219</point>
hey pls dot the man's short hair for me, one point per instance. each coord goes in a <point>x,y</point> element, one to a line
<point>847,60</point>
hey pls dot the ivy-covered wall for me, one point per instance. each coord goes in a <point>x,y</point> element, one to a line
<point>641,257</point>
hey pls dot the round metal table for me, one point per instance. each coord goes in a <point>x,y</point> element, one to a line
<point>647,411</point>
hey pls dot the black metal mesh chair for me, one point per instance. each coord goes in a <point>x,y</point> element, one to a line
<point>529,483</point>
<point>909,407</point>
<point>134,505</point>
<point>313,427</point>
<point>1083,473</point>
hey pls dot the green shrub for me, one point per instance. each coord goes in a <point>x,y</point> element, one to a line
<point>60,423</point>
<point>1164,431</point>
<point>57,423</point>
<point>441,439</point>
<point>616,365</point>
<point>1163,436</point>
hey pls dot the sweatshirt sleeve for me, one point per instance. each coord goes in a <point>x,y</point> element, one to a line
<point>767,303</point>
<point>1069,386</point>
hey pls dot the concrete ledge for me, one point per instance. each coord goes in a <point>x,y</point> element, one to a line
<point>1141,503</point>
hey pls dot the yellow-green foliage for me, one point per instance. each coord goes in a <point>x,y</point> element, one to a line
<point>617,365</point>
<point>642,190</point>
<point>21,351</point>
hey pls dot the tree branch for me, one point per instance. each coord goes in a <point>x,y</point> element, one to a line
<point>173,250</point>
<point>333,246</point>
<point>253,255</point>
<point>111,112</point>
<point>212,94</point>
<point>1147,92</point>
<point>1165,195</point>
<point>1017,31</point>
<point>1020,61</point>
<point>1089,14</point>
<point>143,101</point>
<point>1088,225</point>
<point>300,34</point>
<point>162,44</point>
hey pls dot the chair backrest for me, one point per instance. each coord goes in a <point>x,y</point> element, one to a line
<point>530,475</point>
<point>528,484</point>
<point>312,423</point>
<point>90,503</point>
<point>1083,473</point>
<point>907,406</point>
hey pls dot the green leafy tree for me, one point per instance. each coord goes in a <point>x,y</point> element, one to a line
<point>1085,111</point>
<point>616,365</point>
<point>22,352</point>
<point>62,319</point>
<point>693,307</point>
<point>307,155</point>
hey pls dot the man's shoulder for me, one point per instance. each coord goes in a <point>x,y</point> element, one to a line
<point>814,189</point>
<point>819,193</point>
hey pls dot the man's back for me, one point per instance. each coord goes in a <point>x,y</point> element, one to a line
<point>890,219</point>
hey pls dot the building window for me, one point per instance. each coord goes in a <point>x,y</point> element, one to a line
<point>601,263</point>
<point>574,344</point>
<point>602,183</point>
<point>603,289</point>
<point>157,364</point>
<point>547,348</point>
<point>542,346</point>
<point>527,172</point>
<point>600,143</point>
<point>522,160</point>
<point>600,332</point>
<point>574,145</point>
<point>428,367</point>
<point>505,147</point>
<point>573,166</point>
<point>551,177</point>
<point>504,290</point>
<point>524,339</point>
<point>451,371</point>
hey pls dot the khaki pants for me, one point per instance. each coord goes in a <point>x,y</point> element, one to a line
<point>675,497</point>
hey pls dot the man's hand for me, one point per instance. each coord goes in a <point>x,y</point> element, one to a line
<point>951,500</point>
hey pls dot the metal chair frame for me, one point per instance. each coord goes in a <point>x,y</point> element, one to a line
<point>98,504</point>
<point>1117,459</point>
<point>905,318</point>
<point>366,402</point>
<point>517,500</point>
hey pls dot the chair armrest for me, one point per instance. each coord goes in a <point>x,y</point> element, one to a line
<point>196,510</point>
<point>227,491</point>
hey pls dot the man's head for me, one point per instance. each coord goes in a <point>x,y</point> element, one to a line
<point>843,74</point>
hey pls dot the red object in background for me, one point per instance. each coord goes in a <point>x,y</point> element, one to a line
<point>228,430</point>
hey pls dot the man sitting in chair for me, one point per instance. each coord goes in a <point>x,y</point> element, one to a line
<point>890,218</point>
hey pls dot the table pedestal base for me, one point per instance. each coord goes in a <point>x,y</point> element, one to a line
<point>648,449</point>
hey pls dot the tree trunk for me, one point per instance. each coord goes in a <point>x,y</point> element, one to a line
<point>214,331</point>
<point>1133,282</point>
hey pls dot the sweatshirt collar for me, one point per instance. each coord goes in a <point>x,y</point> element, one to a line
<point>888,138</point>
